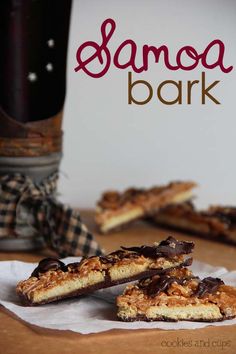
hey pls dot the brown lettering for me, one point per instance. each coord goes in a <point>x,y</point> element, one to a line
<point>205,91</point>
<point>189,90</point>
<point>178,99</point>
<point>130,87</point>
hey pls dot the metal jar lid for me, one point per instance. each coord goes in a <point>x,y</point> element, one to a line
<point>37,168</point>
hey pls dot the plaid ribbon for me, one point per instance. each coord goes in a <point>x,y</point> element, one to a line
<point>27,209</point>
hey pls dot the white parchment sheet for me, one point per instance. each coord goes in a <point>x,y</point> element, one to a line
<point>94,313</point>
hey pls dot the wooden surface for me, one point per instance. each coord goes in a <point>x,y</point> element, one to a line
<point>17,336</point>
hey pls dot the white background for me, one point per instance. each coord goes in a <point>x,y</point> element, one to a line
<point>110,144</point>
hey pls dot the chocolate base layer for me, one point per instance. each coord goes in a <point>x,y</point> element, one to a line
<point>168,319</point>
<point>104,284</point>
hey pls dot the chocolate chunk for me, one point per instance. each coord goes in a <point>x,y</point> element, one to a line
<point>48,264</point>
<point>167,248</point>
<point>208,285</point>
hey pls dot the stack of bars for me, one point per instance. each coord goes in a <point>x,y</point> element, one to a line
<point>166,289</point>
<point>167,206</point>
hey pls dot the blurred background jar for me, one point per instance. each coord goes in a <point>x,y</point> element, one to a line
<point>34,40</point>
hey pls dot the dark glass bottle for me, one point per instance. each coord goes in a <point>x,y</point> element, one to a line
<point>33,40</point>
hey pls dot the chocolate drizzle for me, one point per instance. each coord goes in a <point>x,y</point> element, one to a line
<point>166,248</point>
<point>47,264</point>
<point>208,285</point>
<point>116,256</point>
<point>154,286</point>
<point>161,284</point>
